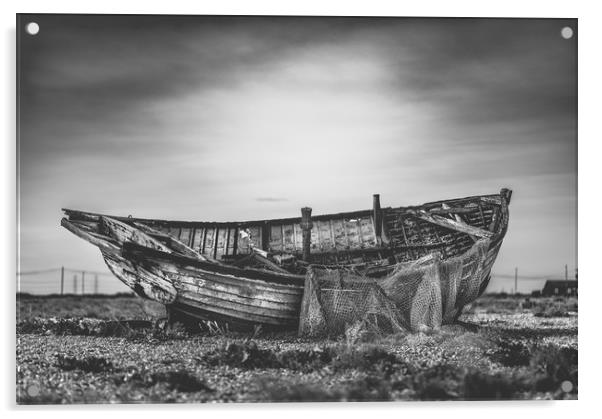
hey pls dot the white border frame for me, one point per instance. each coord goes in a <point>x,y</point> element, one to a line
<point>590,70</point>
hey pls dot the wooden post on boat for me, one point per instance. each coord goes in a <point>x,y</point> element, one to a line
<point>306,226</point>
<point>377,215</point>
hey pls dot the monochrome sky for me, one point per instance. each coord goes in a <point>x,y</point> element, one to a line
<point>236,118</point>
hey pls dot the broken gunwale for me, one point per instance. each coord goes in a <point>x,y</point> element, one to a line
<point>91,216</point>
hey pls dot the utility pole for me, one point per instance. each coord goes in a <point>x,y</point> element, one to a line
<point>83,286</point>
<point>95,284</point>
<point>62,279</point>
<point>74,284</point>
<point>566,272</point>
<point>516,280</point>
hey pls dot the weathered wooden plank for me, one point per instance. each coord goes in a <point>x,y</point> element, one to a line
<point>340,237</point>
<point>453,225</point>
<point>257,304</point>
<point>325,234</point>
<point>232,239</point>
<point>89,226</point>
<point>216,242</point>
<point>227,241</point>
<point>185,236</point>
<point>256,237</point>
<point>234,234</point>
<point>333,242</point>
<point>123,232</point>
<point>360,235</point>
<point>460,220</point>
<point>369,237</point>
<point>447,210</point>
<point>221,243</point>
<point>193,233</point>
<point>265,236</point>
<point>497,200</point>
<point>288,237</point>
<point>75,215</point>
<point>173,244</point>
<point>173,231</point>
<point>209,242</point>
<point>197,241</point>
<point>275,238</point>
<point>268,263</point>
<point>193,300</point>
<point>243,286</point>
<point>269,296</point>
<point>261,252</point>
<point>298,232</point>
<point>353,237</point>
<point>494,220</point>
<point>278,294</point>
<point>315,239</point>
<point>153,286</point>
<point>483,223</point>
<point>207,232</point>
<point>103,242</point>
<point>174,262</point>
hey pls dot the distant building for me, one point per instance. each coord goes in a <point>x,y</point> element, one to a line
<point>559,287</point>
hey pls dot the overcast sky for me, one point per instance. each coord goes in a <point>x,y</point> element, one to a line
<point>236,118</point>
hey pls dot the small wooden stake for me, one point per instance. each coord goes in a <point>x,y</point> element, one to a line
<point>306,226</point>
<point>377,215</point>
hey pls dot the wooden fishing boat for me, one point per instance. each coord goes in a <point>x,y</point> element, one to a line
<point>253,272</point>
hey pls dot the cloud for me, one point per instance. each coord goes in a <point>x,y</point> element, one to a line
<point>210,118</point>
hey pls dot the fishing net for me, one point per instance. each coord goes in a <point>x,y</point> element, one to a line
<point>415,296</point>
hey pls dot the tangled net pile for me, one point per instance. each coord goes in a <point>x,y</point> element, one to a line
<point>416,296</point>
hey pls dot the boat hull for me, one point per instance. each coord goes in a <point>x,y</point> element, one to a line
<point>216,292</point>
<point>147,257</point>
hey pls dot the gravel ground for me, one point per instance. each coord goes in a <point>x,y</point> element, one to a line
<point>497,355</point>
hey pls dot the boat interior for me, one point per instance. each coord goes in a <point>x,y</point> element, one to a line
<point>376,237</point>
<point>371,238</point>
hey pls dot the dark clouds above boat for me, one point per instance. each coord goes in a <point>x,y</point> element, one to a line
<point>195,117</point>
